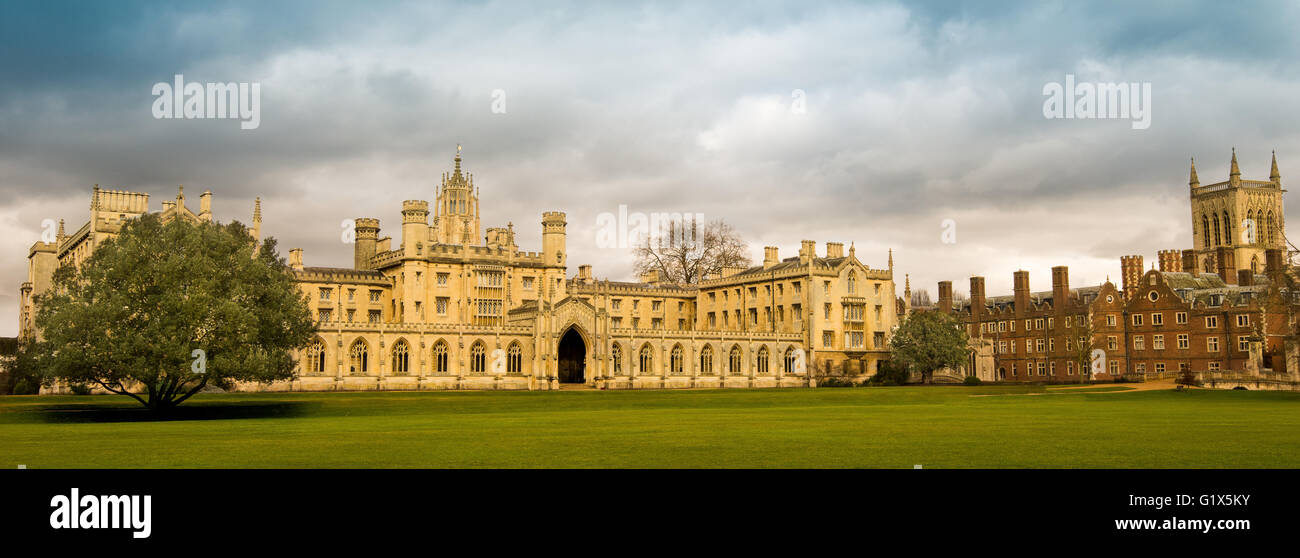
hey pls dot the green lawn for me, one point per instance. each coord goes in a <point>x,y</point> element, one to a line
<point>938,427</point>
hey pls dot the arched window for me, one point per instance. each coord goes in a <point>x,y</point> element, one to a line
<point>440,356</point>
<point>316,357</point>
<point>1271,229</point>
<point>647,359</point>
<point>706,360</point>
<point>1254,265</point>
<point>616,355</point>
<point>853,282</point>
<point>1228,229</point>
<point>734,360</point>
<point>762,360</point>
<point>477,358</point>
<point>514,359</point>
<point>1205,226</point>
<point>359,357</point>
<point>675,361</point>
<point>401,357</point>
<point>791,360</point>
<point>1216,230</point>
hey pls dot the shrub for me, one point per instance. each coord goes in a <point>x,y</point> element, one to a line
<point>24,386</point>
<point>889,374</point>
<point>835,382</point>
<point>972,381</point>
<point>80,389</point>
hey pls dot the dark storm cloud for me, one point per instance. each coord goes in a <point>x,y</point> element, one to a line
<point>916,113</point>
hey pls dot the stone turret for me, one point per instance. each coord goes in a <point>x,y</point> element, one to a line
<point>367,231</point>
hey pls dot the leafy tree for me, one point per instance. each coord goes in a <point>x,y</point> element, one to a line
<point>930,341</point>
<point>165,309</point>
<point>685,253</point>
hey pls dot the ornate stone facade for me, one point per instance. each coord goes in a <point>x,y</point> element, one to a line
<point>440,311</point>
<point>453,306</point>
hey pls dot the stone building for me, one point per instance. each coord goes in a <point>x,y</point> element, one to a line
<point>439,310</point>
<point>109,209</point>
<point>451,305</point>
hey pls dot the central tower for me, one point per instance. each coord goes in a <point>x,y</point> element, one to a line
<point>456,216</point>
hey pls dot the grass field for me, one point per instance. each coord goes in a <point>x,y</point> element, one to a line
<point>938,427</point>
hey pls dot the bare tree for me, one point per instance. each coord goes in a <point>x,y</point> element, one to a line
<point>921,298</point>
<point>1083,345</point>
<point>687,252</point>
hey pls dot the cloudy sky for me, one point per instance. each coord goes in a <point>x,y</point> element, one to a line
<point>869,123</point>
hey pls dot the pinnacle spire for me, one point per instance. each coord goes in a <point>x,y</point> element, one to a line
<point>1234,176</point>
<point>1274,175</point>
<point>457,173</point>
<point>257,210</point>
<point>1193,181</point>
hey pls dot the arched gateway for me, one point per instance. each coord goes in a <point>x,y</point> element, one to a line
<point>573,358</point>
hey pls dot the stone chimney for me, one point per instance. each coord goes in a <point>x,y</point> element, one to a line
<point>945,297</point>
<point>584,273</point>
<point>652,277</point>
<point>769,257</point>
<point>205,205</point>
<point>1223,257</point>
<point>295,259</point>
<point>807,251</point>
<point>834,249</point>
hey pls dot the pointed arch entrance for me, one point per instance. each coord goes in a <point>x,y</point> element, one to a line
<point>572,357</point>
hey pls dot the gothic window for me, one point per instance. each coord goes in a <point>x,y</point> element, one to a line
<point>514,359</point>
<point>791,360</point>
<point>647,359</point>
<point>401,357</point>
<point>762,360</point>
<point>1227,229</point>
<point>440,356</point>
<point>853,282</point>
<point>359,357</point>
<point>616,355</point>
<point>706,360</point>
<point>477,358</point>
<point>734,359</point>
<point>1216,230</point>
<point>316,357</point>
<point>675,362</point>
<point>1205,226</point>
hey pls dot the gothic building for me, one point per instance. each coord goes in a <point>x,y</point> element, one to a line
<point>449,308</point>
<point>451,305</point>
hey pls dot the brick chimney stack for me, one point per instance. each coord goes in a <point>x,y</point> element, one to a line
<point>1020,281</point>
<point>945,297</point>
